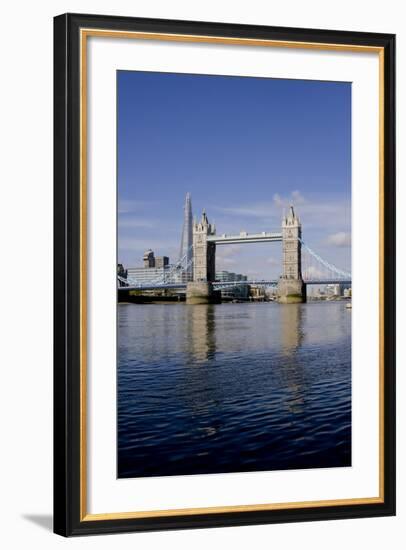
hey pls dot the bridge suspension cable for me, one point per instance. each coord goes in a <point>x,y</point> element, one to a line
<point>332,268</point>
<point>175,272</point>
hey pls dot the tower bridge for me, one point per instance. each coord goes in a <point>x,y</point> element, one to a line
<point>291,287</point>
<point>195,270</point>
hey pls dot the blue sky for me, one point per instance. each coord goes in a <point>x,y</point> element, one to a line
<point>245,148</point>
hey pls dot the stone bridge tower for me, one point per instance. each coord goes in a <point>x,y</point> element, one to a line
<point>291,288</point>
<point>200,291</point>
<point>204,252</point>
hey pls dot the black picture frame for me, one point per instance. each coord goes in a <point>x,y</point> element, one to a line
<point>68,519</point>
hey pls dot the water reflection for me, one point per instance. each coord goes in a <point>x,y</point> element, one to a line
<point>233,387</point>
<point>201,330</point>
<point>292,336</point>
<point>201,322</point>
<point>291,319</point>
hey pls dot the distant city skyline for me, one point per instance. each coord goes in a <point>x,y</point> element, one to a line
<point>244,148</point>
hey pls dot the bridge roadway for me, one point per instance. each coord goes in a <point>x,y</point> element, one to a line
<point>245,237</point>
<point>223,284</point>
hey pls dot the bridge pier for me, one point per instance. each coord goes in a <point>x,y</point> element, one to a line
<point>202,293</point>
<point>291,291</point>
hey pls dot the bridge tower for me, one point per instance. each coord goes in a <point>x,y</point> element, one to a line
<point>204,267</point>
<point>200,291</point>
<point>291,288</point>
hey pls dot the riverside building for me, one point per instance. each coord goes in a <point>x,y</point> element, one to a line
<point>236,291</point>
<point>155,270</point>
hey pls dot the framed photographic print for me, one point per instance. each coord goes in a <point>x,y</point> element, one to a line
<point>224,274</point>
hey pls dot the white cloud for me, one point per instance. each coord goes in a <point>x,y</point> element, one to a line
<point>339,239</point>
<point>295,198</point>
<point>227,251</point>
<point>324,213</point>
<point>225,256</point>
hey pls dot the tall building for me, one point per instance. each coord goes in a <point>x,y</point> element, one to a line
<point>336,289</point>
<point>155,270</point>
<point>186,243</point>
<point>149,259</point>
<point>233,292</point>
<point>227,276</point>
<point>148,275</point>
<point>161,261</point>
<point>121,272</point>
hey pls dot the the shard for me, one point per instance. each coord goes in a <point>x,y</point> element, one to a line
<point>186,244</point>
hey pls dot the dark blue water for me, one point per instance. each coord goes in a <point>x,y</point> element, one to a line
<point>233,387</point>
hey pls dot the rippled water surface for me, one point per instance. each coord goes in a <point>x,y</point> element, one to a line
<point>233,387</point>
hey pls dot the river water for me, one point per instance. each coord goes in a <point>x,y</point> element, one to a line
<point>233,387</point>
